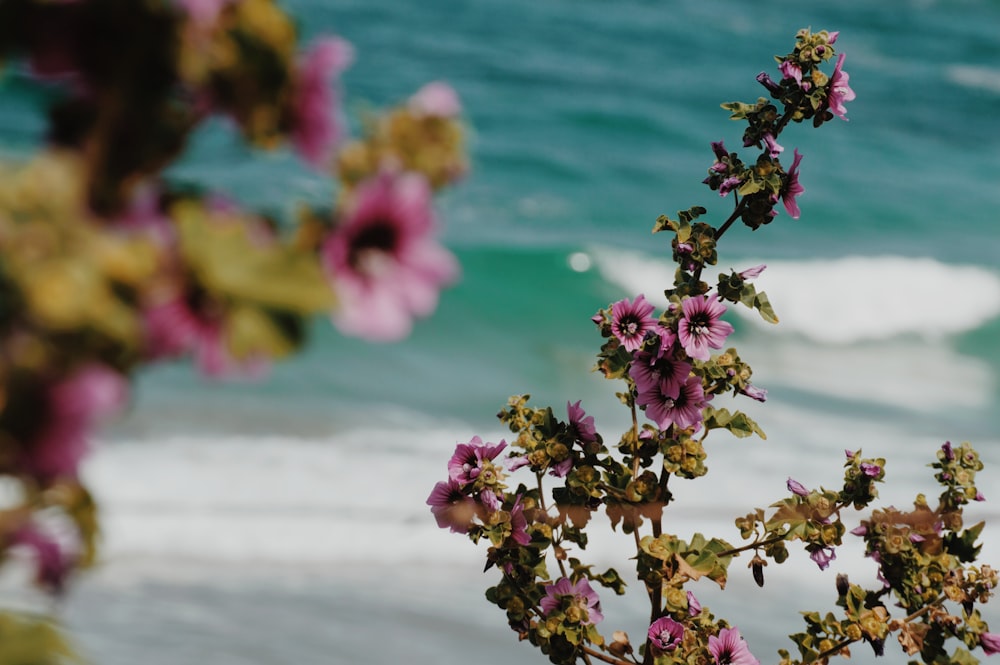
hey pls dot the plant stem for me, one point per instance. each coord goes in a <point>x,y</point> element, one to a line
<point>545,509</point>
<point>737,211</point>
<point>751,546</point>
<point>606,658</point>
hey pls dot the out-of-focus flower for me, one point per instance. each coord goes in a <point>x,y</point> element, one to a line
<point>791,188</point>
<point>871,470</point>
<point>317,126</point>
<point>52,564</point>
<point>436,98</point>
<point>72,407</point>
<point>579,602</point>
<point>385,266</point>
<point>990,643</point>
<point>701,327</point>
<point>631,320</point>
<point>203,12</point>
<point>665,634</point>
<point>729,648</point>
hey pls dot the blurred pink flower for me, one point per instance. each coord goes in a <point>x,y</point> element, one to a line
<point>52,564</point>
<point>177,326</point>
<point>436,98</point>
<point>385,266</point>
<point>73,407</point>
<point>203,12</point>
<point>990,643</point>
<point>316,107</point>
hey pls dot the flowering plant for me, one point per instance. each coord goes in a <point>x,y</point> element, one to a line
<point>671,367</point>
<point>108,263</point>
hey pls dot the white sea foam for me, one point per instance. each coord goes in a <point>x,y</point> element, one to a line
<point>819,298</point>
<point>970,76</point>
<point>359,497</point>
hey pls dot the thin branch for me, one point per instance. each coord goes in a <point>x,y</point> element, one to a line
<point>602,656</point>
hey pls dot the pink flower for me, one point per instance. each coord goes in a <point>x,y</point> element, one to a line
<point>580,424</point>
<point>317,126</point>
<point>791,188</point>
<point>203,12</point>
<point>700,327</point>
<point>665,634</point>
<point>754,392</point>
<point>797,488</point>
<point>71,408</point>
<point>631,320</point>
<point>649,370</point>
<point>385,266</point>
<point>52,564</point>
<point>752,273</point>
<point>436,99</point>
<point>466,463</point>
<point>729,648</point>
<point>791,70</point>
<point>771,143</point>
<point>839,92</point>
<point>518,523</point>
<point>451,508</point>
<point>577,600</point>
<point>822,556</point>
<point>694,607</point>
<point>990,643</point>
<point>682,408</point>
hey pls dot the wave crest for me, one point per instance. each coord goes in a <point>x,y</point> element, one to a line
<point>816,298</point>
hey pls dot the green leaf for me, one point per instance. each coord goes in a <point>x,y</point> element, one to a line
<point>29,640</point>
<point>763,305</point>
<point>739,424</point>
<point>229,262</point>
<point>964,545</point>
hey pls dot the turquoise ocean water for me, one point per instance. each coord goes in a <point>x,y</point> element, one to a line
<point>588,119</point>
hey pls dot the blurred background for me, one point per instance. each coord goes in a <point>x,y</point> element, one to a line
<point>284,520</point>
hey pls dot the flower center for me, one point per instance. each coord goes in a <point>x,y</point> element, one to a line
<point>373,246</point>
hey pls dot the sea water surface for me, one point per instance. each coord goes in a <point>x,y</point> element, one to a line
<point>284,521</point>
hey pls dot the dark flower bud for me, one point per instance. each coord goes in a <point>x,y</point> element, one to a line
<point>757,566</point>
<point>769,83</point>
<point>843,584</point>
